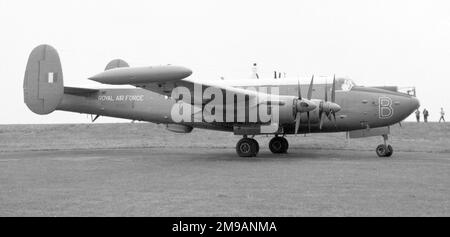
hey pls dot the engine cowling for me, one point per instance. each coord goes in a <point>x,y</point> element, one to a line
<point>287,110</point>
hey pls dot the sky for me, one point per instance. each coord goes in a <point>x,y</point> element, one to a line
<point>376,43</point>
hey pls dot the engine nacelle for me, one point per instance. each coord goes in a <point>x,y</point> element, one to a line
<point>286,110</point>
<point>179,128</point>
<point>285,115</point>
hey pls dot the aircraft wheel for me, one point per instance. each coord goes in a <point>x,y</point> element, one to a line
<point>247,147</point>
<point>285,144</point>
<point>278,145</point>
<point>256,145</point>
<point>384,151</point>
<point>389,151</point>
<point>381,150</point>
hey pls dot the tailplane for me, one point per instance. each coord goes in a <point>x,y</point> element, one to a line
<point>43,86</point>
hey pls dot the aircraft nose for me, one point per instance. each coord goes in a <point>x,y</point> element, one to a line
<point>415,103</point>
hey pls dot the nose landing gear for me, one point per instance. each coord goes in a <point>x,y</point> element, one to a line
<point>384,150</point>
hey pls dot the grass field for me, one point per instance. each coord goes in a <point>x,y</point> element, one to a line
<point>431,137</point>
<point>143,170</point>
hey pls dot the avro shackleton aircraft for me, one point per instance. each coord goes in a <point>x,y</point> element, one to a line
<point>168,95</point>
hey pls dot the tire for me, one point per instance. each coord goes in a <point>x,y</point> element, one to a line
<point>389,151</point>
<point>277,145</point>
<point>256,146</point>
<point>381,150</point>
<point>247,147</point>
<point>285,145</point>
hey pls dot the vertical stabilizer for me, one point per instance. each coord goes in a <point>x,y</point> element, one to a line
<point>43,85</point>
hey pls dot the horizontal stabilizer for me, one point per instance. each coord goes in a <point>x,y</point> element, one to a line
<point>79,91</point>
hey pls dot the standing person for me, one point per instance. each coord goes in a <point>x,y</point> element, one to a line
<point>255,71</point>
<point>442,115</point>
<point>418,115</point>
<point>425,115</point>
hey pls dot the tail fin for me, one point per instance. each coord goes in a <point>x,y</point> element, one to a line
<point>43,85</point>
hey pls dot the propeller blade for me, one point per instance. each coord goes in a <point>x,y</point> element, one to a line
<point>334,116</point>
<point>297,122</point>
<point>328,115</point>
<point>321,120</point>
<point>326,92</point>
<point>310,88</point>
<point>333,92</point>
<point>299,91</point>
<point>309,122</point>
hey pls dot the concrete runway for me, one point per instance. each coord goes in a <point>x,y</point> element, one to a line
<point>202,182</point>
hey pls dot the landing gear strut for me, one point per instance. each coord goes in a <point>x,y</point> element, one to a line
<point>278,145</point>
<point>384,150</point>
<point>247,147</point>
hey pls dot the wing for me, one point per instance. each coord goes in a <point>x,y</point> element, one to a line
<point>172,80</point>
<point>201,92</point>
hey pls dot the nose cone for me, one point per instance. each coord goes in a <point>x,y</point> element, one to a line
<point>415,103</point>
<point>311,106</point>
<point>336,107</point>
<point>185,72</point>
<point>405,107</point>
<point>305,106</point>
<point>98,78</point>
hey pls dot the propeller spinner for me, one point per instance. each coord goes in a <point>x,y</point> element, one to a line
<point>327,107</point>
<point>303,106</point>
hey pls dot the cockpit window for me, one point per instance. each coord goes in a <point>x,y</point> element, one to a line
<point>344,84</point>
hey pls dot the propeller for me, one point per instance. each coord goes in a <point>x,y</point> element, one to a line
<point>309,98</point>
<point>303,105</point>
<point>329,107</point>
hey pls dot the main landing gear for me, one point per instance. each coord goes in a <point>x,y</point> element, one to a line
<point>249,147</point>
<point>278,145</point>
<point>384,150</point>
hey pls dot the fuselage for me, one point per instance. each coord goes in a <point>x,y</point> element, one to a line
<point>361,107</point>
